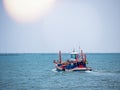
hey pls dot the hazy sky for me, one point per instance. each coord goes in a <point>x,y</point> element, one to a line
<point>94,25</point>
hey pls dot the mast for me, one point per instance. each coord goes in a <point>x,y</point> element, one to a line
<point>81,54</point>
<point>84,57</point>
<point>60,57</point>
<point>76,57</point>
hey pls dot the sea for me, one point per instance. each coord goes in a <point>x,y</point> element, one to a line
<point>36,71</point>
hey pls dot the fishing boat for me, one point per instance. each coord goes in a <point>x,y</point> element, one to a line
<point>77,62</point>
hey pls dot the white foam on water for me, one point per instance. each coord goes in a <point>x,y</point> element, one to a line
<point>54,70</point>
<point>99,72</point>
<point>88,71</point>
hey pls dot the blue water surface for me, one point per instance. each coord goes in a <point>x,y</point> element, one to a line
<point>36,72</point>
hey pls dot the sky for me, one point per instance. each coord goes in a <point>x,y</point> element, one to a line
<point>93,25</point>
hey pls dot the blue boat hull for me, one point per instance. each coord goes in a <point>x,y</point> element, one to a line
<point>74,69</point>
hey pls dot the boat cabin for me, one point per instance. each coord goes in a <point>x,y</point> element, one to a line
<point>74,55</point>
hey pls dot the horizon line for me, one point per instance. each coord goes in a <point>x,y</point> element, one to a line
<point>58,52</point>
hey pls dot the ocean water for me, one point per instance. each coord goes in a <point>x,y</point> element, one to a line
<point>36,72</point>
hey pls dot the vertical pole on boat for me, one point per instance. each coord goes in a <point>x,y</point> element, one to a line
<point>82,54</point>
<point>84,60</point>
<point>60,57</point>
<point>77,57</point>
<point>84,57</point>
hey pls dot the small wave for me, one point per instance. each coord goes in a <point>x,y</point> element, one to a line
<point>54,70</point>
<point>101,72</point>
<point>88,71</point>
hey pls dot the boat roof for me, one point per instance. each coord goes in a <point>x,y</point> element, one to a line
<point>74,52</point>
